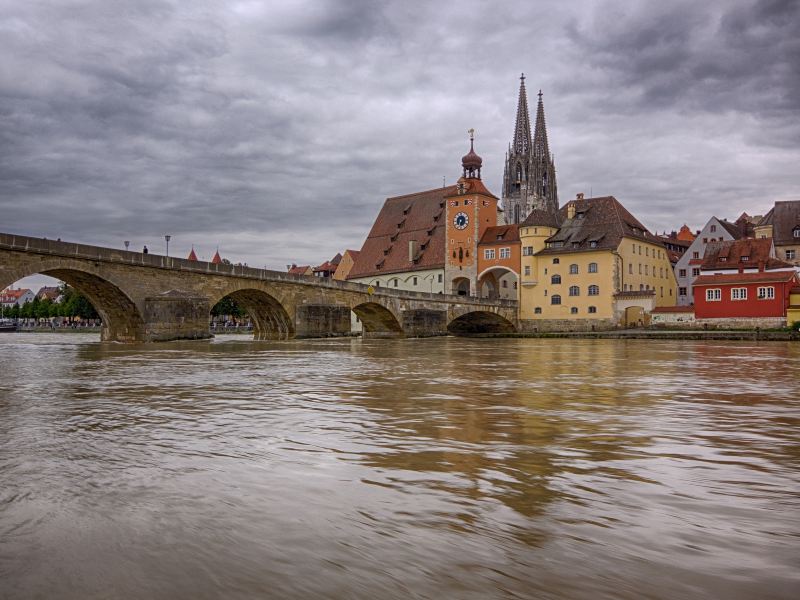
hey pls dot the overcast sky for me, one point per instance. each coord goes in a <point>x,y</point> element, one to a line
<point>276,130</point>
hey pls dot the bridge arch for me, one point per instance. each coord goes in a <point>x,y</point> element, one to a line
<point>480,321</point>
<point>271,320</point>
<point>121,319</point>
<point>377,320</point>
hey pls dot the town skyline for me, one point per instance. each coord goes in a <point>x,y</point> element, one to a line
<point>163,119</point>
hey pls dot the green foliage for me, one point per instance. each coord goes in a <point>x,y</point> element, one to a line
<point>796,326</point>
<point>227,306</point>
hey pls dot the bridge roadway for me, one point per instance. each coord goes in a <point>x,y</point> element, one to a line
<point>148,297</point>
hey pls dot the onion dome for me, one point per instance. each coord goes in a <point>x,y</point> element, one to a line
<point>471,161</point>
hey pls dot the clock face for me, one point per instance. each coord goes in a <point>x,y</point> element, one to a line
<point>461,220</point>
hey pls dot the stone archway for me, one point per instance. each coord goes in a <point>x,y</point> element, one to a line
<point>498,283</point>
<point>477,322</point>
<point>377,320</point>
<point>271,321</point>
<point>461,286</point>
<point>121,319</point>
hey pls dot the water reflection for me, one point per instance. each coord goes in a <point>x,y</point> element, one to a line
<point>396,468</point>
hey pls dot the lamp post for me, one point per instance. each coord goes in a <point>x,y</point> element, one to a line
<point>167,238</point>
<point>127,243</point>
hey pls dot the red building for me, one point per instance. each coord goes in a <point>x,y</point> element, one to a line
<point>743,295</point>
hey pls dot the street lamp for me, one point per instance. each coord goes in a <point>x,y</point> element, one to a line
<point>167,238</point>
<point>127,243</point>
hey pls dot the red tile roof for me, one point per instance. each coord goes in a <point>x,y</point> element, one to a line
<point>501,234</point>
<point>301,270</point>
<point>217,258</point>
<point>751,277</point>
<point>728,255</point>
<point>415,217</point>
<point>192,255</point>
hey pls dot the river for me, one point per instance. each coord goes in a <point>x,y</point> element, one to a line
<point>425,468</point>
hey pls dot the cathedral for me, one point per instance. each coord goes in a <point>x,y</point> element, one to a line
<point>529,180</point>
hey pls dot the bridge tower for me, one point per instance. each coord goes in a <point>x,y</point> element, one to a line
<point>468,213</point>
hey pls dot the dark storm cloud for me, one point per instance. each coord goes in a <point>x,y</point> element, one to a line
<point>276,130</point>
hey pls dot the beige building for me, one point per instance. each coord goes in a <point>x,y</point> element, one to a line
<point>345,265</point>
<point>591,265</point>
<point>782,224</point>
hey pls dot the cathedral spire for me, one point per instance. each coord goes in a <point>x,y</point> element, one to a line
<point>522,129</point>
<point>540,147</point>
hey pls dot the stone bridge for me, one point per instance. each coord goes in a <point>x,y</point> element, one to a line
<point>147,297</point>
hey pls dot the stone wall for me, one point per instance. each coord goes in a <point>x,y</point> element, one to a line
<point>322,320</point>
<point>175,316</point>
<point>424,323</point>
<point>553,325</point>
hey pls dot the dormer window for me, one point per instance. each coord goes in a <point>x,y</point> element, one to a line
<point>723,259</point>
<point>745,258</point>
<point>796,232</point>
<point>592,244</point>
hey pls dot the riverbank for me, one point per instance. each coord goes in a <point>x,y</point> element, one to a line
<point>660,334</point>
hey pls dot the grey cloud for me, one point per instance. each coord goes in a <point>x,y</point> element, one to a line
<point>276,131</point>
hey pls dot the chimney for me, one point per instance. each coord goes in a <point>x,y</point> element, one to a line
<point>571,208</point>
<point>761,266</point>
<point>413,249</point>
<point>579,196</point>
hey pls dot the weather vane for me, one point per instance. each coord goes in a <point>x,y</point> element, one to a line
<point>471,133</point>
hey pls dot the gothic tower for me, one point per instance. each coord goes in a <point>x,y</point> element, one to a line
<point>529,180</point>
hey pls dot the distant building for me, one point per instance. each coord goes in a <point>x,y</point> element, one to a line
<point>52,293</point>
<point>685,234</point>
<point>9,297</point>
<point>346,264</point>
<point>782,224</point>
<point>675,246</point>
<point>744,283</point>
<point>328,268</point>
<point>591,265</point>
<point>428,241</point>
<point>192,256</point>
<point>529,179</point>
<point>217,258</point>
<point>688,265</point>
<point>300,270</point>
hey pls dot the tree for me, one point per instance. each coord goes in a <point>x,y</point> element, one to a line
<point>227,306</point>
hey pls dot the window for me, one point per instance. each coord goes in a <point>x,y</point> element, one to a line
<point>592,267</point>
<point>594,290</point>
<point>573,269</point>
<point>695,255</point>
<point>592,309</point>
<point>630,268</point>
<point>640,268</point>
<point>537,310</point>
<point>574,310</point>
<point>415,281</point>
<point>647,269</point>
<point>396,282</point>
<point>723,259</point>
<point>705,240</point>
<point>505,252</point>
<point>790,254</point>
<point>592,244</point>
<point>738,293</point>
<point>682,291</point>
<point>515,285</point>
<point>574,290</point>
<point>766,293</point>
<point>646,251</point>
<point>796,232</point>
<point>527,251</point>
<point>696,272</point>
<point>488,254</point>
<point>505,283</point>
<point>556,261</point>
<point>713,228</point>
<point>713,295</point>
<point>556,299</point>
<point>681,272</point>
<point>440,278</point>
<point>555,279</point>
<point>527,270</point>
<point>745,258</point>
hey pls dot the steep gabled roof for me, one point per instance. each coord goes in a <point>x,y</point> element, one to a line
<point>500,234</point>
<point>784,218</point>
<point>541,218</point>
<point>729,255</point>
<point>415,217</point>
<point>732,228</point>
<point>599,224</point>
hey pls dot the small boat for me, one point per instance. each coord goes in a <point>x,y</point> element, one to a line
<point>7,325</point>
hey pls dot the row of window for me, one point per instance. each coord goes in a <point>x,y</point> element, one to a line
<point>414,281</point>
<point>489,253</point>
<point>573,310</point>
<point>695,272</point>
<point>647,251</point>
<point>715,294</point>
<point>664,274</point>
<point>575,291</point>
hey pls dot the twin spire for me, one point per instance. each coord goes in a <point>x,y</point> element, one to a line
<point>522,128</point>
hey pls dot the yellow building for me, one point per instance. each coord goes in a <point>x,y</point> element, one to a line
<point>591,265</point>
